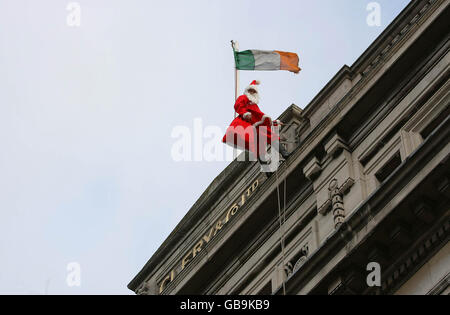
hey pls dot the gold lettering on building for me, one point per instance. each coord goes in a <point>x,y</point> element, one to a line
<point>208,236</point>
<point>218,227</point>
<point>166,280</point>
<point>197,248</point>
<point>231,212</point>
<point>185,260</point>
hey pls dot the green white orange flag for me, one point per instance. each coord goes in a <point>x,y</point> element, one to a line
<point>266,60</point>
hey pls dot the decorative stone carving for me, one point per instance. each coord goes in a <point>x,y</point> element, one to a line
<point>421,253</point>
<point>302,259</point>
<point>337,203</point>
<point>288,269</point>
<point>293,265</point>
<point>144,289</point>
<point>343,190</point>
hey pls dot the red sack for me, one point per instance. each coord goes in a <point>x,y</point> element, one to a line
<point>253,135</point>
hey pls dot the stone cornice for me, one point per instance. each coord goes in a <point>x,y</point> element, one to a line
<point>415,257</point>
<point>385,45</point>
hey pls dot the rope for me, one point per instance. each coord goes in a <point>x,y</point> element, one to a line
<point>281,229</point>
<point>282,223</point>
<point>284,206</point>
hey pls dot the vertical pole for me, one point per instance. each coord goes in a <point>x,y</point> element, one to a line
<point>236,75</point>
<point>235,46</point>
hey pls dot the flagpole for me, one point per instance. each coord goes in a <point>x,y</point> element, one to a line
<point>235,46</point>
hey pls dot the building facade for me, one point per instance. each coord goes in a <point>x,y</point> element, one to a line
<point>365,192</point>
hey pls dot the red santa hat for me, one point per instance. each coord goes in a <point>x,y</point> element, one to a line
<point>253,86</point>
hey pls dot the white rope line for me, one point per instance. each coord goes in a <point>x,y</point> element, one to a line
<point>282,223</point>
<point>284,210</point>
<point>281,230</point>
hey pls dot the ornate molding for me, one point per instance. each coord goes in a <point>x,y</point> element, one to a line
<point>144,289</point>
<point>342,191</point>
<point>396,39</point>
<point>293,265</point>
<point>398,275</point>
<point>337,203</point>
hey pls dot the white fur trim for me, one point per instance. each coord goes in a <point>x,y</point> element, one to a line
<point>254,98</point>
<point>264,117</point>
<point>253,86</point>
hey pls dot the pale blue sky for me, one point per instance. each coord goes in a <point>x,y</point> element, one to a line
<point>86,115</point>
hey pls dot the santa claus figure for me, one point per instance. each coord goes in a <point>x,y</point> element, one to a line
<point>251,130</point>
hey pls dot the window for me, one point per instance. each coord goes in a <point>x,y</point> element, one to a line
<point>388,168</point>
<point>435,123</point>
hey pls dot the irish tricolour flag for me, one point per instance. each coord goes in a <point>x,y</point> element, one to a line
<point>266,60</point>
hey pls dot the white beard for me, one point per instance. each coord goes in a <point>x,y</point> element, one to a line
<point>254,98</point>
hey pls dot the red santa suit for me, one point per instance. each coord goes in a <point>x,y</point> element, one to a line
<point>246,135</point>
